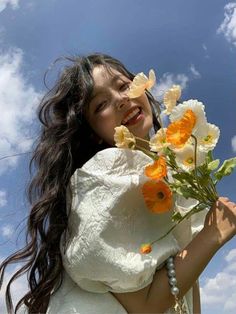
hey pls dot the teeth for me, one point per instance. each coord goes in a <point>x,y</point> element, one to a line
<point>130,115</point>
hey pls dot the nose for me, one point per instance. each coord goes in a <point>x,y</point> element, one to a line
<point>122,100</point>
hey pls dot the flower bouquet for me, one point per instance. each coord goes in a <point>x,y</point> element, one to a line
<point>183,162</point>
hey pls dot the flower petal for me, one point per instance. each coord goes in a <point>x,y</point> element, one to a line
<point>140,83</point>
<point>158,142</point>
<point>124,138</point>
<point>157,170</point>
<point>178,132</point>
<point>157,196</point>
<point>170,98</point>
<point>145,248</point>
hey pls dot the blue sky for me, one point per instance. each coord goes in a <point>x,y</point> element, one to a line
<point>185,42</point>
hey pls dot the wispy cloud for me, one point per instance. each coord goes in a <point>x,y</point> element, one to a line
<point>18,100</point>
<point>166,81</point>
<point>194,71</point>
<point>7,231</point>
<point>3,198</point>
<point>219,291</point>
<point>233,143</point>
<point>228,26</point>
<point>19,288</point>
<point>206,51</point>
<point>14,4</point>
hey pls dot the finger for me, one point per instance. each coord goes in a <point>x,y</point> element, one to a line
<point>225,199</point>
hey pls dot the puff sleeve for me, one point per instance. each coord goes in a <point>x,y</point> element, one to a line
<point>108,221</point>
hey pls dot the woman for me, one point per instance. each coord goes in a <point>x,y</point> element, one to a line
<point>78,117</point>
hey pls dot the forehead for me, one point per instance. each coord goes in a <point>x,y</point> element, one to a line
<point>103,76</point>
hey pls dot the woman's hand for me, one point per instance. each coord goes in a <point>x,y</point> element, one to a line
<point>219,227</point>
<point>220,221</point>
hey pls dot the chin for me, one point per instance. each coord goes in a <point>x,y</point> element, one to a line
<point>144,131</point>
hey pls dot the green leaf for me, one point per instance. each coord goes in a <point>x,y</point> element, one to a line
<point>214,164</point>
<point>182,176</point>
<point>203,180</point>
<point>226,169</point>
<point>184,191</point>
<point>204,169</point>
<point>209,157</point>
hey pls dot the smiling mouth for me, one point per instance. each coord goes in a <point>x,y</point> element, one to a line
<point>132,117</point>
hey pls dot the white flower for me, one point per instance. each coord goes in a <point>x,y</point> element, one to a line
<point>170,98</point>
<point>197,108</point>
<point>140,83</point>
<point>124,138</point>
<point>207,137</point>
<point>185,158</point>
<point>158,142</point>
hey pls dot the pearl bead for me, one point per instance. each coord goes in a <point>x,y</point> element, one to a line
<point>170,265</point>
<point>170,259</point>
<point>171,273</point>
<point>172,281</point>
<point>174,290</point>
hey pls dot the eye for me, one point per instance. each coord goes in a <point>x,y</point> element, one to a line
<point>100,106</point>
<point>124,86</point>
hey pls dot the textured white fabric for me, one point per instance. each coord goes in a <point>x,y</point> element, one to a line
<point>71,299</point>
<point>108,221</point>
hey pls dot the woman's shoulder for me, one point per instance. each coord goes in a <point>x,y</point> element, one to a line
<point>116,161</point>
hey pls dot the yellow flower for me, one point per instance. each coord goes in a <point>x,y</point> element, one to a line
<point>140,83</point>
<point>178,132</point>
<point>158,142</point>
<point>145,248</point>
<point>157,170</point>
<point>124,138</point>
<point>157,196</point>
<point>171,97</point>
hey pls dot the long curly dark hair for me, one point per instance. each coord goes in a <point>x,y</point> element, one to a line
<point>65,143</point>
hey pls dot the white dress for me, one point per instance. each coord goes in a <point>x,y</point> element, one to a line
<point>108,221</point>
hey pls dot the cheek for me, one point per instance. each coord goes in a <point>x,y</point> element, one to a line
<point>145,103</point>
<point>104,126</point>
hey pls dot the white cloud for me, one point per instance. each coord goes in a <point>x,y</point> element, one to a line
<point>7,231</point>
<point>228,26</point>
<point>18,100</point>
<point>233,143</point>
<point>166,81</point>
<point>220,290</point>
<point>206,51</point>
<point>204,47</point>
<point>19,288</point>
<point>194,71</point>
<point>231,256</point>
<point>13,3</point>
<point>3,198</point>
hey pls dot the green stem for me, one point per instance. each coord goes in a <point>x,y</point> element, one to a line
<point>147,152</point>
<point>141,139</point>
<point>195,161</point>
<point>210,188</point>
<point>182,218</point>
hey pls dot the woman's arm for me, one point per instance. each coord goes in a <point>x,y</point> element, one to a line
<point>196,299</point>
<point>219,227</point>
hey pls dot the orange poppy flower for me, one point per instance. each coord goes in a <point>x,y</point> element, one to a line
<point>146,248</point>
<point>189,117</point>
<point>157,170</point>
<point>178,132</point>
<point>157,196</point>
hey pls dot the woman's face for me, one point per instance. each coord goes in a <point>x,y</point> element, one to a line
<point>110,106</point>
